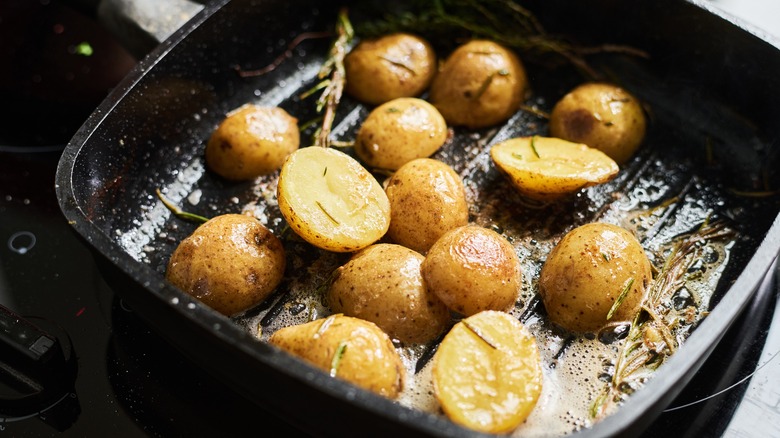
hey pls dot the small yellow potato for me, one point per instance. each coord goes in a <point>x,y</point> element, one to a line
<point>427,199</point>
<point>481,84</point>
<point>597,274</point>
<point>230,263</point>
<point>252,141</point>
<point>472,269</point>
<point>603,116</point>
<point>392,66</point>
<point>399,131</point>
<point>348,348</point>
<point>331,201</point>
<point>487,374</point>
<point>545,168</point>
<point>383,284</point>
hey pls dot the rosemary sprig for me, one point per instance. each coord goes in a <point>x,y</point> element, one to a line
<point>181,214</point>
<point>332,79</point>
<point>650,339</point>
<point>449,22</point>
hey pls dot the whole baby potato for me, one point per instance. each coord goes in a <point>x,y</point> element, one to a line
<point>399,131</point>
<point>230,263</point>
<point>252,141</point>
<point>383,284</point>
<point>481,84</point>
<point>602,116</point>
<point>392,66</point>
<point>472,269</point>
<point>349,348</point>
<point>596,274</point>
<point>427,199</point>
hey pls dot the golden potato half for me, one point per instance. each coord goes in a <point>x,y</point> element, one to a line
<point>331,201</point>
<point>252,141</point>
<point>383,284</point>
<point>231,263</point>
<point>399,131</point>
<point>427,199</point>
<point>481,84</point>
<point>487,373</point>
<point>603,116</point>
<point>392,66</point>
<point>597,274</point>
<point>545,168</point>
<point>348,348</point>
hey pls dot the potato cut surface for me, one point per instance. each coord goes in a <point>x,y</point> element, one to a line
<point>331,201</point>
<point>487,373</point>
<point>546,168</point>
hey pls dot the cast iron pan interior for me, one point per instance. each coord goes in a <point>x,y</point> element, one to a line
<point>708,86</point>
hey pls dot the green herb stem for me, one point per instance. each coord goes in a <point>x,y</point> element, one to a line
<point>179,212</point>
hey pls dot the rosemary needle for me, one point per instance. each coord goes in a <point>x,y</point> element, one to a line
<point>620,298</point>
<point>336,361</point>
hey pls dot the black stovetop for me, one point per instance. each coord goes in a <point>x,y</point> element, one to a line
<point>130,382</point>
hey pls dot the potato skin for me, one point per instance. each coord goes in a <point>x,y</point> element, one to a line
<point>399,131</point>
<point>383,284</point>
<point>230,263</point>
<point>427,199</point>
<point>603,116</point>
<point>392,66</point>
<point>587,271</point>
<point>481,84</point>
<point>472,269</point>
<point>368,359</point>
<point>252,141</point>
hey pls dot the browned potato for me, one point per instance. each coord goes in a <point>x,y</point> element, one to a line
<point>596,274</point>
<point>252,141</point>
<point>481,84</point>
<point>427,199</point>
<point>602,116</point>
<point>349,348</point>
<point>392,66</point>
<point>383,284</point>
<point>400,131</point>
<point>231,263</point>
<point>545,168</point>
<point>487,373</point>
<point>472,269</point>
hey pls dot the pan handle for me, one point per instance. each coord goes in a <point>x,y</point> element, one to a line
<point>140,25</point>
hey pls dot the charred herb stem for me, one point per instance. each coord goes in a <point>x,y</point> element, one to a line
<point>284,56</point>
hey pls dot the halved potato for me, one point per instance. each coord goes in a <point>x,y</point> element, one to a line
<point>331,201</point>
<point>546,168</point>
<point>487,374</point>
